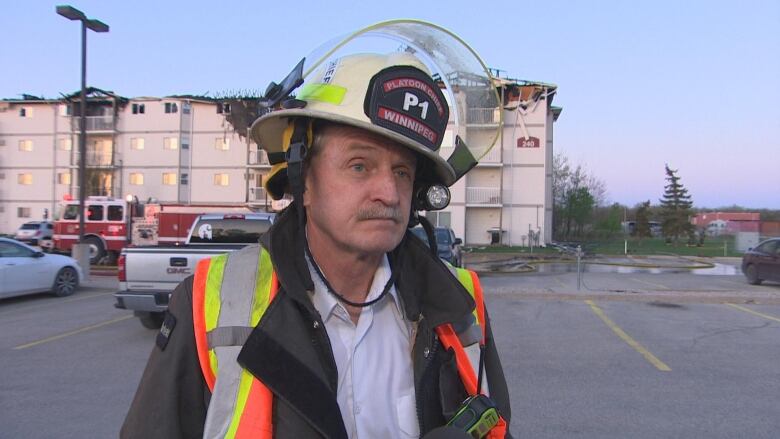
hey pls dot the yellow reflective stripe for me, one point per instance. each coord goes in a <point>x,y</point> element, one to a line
<point>328,93</point>
<point>464,277</point>
<point>243,393</point>
<point>265,272</point>
<point>212,301</point>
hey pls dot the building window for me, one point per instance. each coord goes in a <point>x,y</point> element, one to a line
<point>171,107</point>
<point>25,179</point>
<point>23,212</point>
<point>139,108</point>
<point>222,143</point>
<point>65,110</point>
<point>185,144</point>
<point>171,143</point>
<point>221,180</point>
<point>136,178</point>
<point>185,179</point>
<point>25,145</point>
<point>137,143</point>
<point>63,178</point>
<point>223,107</point>
<point>66,144</point>
<point>25,112</point>
<point>169,178</point>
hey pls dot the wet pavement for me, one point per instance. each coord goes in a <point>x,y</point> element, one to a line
<point>656,278</point>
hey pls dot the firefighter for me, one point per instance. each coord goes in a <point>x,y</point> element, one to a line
<point>341,323</point>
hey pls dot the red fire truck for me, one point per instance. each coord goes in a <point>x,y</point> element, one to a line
<point>112,223</point>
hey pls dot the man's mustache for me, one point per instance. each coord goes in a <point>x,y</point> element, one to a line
<point>380,212</point>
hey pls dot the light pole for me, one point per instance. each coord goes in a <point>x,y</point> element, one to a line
<point>72,13</point>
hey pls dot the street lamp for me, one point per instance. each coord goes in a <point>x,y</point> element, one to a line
<point>72,13</point>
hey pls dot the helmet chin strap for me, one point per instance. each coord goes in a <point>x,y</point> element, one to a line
<point>295,155</point>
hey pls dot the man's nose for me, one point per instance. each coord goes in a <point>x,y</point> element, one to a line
<point>385,187</point>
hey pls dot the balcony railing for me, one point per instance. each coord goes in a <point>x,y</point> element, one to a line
<point>483,116</point>
<point>97,158</point>
<point>258,195</point>
<point>258,158</point>
<point>94,123</point>
<point>493,156</point>
<point>490,196</point>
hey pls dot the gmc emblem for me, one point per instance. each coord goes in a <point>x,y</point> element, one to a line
<point>177,270</point>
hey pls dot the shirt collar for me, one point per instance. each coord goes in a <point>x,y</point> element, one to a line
<point>325,302</point>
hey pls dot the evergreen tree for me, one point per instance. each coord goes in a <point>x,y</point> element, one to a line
<point>642,221</point>
<point>675,208</point>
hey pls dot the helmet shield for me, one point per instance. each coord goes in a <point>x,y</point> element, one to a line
<point>422,92</point>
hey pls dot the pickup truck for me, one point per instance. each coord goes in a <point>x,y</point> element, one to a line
<point>148,275</point>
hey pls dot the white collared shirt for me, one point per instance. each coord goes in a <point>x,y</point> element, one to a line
<point>374,360</point>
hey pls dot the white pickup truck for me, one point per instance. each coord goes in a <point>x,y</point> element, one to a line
<point>148,275</point>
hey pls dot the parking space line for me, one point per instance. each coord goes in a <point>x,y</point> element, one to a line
<point>52,302</point>
<point>67,334</point>
<point>652,359</point>
<point>650,283</point>
<point>742,308</point>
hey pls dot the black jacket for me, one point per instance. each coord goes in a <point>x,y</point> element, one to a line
<point>289,351</point>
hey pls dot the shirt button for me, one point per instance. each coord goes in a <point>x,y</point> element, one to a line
<point>357,409</point>
<point>426,352</point>
<point>316,324</point>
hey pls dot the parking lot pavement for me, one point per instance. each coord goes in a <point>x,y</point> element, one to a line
<point>641,285</point>
<point>71,365</point>
<point>572,375</point>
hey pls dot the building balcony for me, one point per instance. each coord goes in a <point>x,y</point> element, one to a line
<point>483,116</point>
<point>258,195</point>
<point>98,159</point>
<point>493,157</point>
<point>258,158</point>
<point>95,124</point>
<point>483,196</point>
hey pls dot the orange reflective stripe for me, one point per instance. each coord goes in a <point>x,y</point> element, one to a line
<point>467,374</point>
<point>257,419</point>
<point>199,320</point>
<point>499,431</point>
<point>480,304</point>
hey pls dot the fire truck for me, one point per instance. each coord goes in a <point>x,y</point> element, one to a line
<point>111,224</point>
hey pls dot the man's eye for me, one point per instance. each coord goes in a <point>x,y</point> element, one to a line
<point>359,167</point>
<point>402,173</point>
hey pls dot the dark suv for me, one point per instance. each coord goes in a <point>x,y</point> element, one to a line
<point>449,247</point>
<point>763,262</point>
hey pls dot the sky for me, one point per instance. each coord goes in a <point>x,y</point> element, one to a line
<point>695,84</point>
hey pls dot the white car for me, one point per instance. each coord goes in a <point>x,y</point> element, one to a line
<point>26,270</point>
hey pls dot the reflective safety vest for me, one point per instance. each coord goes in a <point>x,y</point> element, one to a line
<point>224,316</point>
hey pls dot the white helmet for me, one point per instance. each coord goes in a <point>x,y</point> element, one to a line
<point>395,95</point>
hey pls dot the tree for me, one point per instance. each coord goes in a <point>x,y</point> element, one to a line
<point>675,208</point>
<point>608,220</point>
<point>579,207</point>
<point>569,200</point>
<point>642,221</point>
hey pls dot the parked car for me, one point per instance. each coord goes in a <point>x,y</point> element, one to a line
<point>763,262</point>
<point>448,246</point>
<point>34,231</point>
<point>26,270</point>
